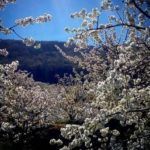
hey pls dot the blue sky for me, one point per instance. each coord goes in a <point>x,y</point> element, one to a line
<point>51,31</point>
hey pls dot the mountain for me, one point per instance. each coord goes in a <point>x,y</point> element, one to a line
<point>43,63</point>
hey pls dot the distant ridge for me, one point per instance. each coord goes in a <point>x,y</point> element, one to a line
<point>43,63</point>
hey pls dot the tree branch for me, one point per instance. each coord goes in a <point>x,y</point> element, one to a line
<point>143,12</point>
<point>13,26</point>
<point>120,24</point>
<point>17,34</point>
<point>97,24</point>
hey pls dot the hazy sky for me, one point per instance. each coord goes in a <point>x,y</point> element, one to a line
<point>54,30</point>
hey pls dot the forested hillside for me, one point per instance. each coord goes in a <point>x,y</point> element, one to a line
<point>43,63</point>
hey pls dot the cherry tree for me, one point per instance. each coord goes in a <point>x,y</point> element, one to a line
<point>121,77</point>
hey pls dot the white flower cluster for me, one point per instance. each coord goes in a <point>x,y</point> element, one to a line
<point>106,4</point>
<point>5,30</point>
<point>6,126</point>
<point>9,68</point>
<point>4,52</point>
<point>29,41</point>
<point>57,142</point>
<point>104,132</point>
<point>84,134</point>
<point>81,14</point>
<point>30,20</point>
<point>3,3</point>
<point>89,22</point>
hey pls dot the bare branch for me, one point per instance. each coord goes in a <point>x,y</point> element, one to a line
<point>13,26</point>
<point>17,34</point>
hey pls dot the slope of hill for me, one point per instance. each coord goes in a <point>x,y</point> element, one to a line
<point>43,63</point>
